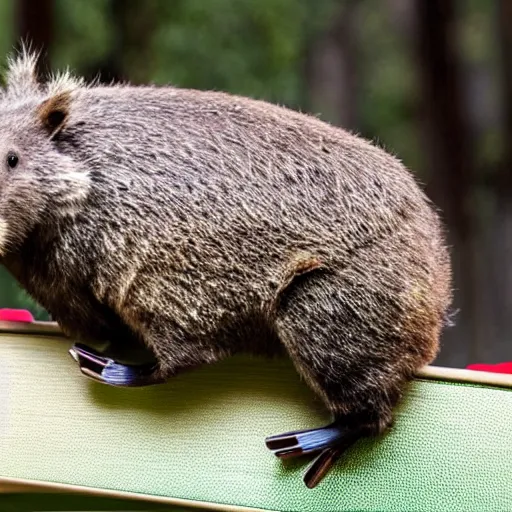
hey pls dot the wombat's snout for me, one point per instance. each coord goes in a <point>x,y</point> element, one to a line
<point>3,235</point>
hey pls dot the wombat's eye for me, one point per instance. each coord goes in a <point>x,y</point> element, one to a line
<point>12,160</point>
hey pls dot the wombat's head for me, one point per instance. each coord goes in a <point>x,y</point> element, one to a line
<point>38,182</point>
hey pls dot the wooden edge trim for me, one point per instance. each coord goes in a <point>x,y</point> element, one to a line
<point>427,372</point>
<point>17,485</point>
<point>502,380</point>
<point>36,328</point>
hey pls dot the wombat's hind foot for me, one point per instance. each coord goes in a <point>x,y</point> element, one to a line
<point>108,371</point>
<point>301,442</point>
<point>332,441</point>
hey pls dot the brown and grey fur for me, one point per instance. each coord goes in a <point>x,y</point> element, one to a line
<point>202,224</point>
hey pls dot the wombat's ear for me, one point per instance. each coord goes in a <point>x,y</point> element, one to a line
<point>53,113</point>
<point>21,76</point>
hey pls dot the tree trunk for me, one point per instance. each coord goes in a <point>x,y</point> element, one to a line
<point>130,58</point>
<point>447,143</point>
<point>331,69</point>
<point>35,27</point>
<point>498,249</point>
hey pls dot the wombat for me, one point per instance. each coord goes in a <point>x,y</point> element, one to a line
<point>202,224</point>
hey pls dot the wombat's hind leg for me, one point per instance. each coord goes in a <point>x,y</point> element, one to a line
<point>340,339</point>
<point>108,371</point>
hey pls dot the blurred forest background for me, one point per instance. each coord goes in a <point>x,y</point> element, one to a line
<point>429,80</point>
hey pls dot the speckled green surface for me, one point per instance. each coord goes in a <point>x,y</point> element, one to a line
<point>201,437</point>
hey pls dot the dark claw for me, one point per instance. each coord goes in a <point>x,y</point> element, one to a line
<point>106,370</point>
<point>332,441</point>
<point>297,443</point>
<point>326,460</point>
<point>321,466</point>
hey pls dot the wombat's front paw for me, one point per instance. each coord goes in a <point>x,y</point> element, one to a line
<point>106,370</point>
<point>331,441</point>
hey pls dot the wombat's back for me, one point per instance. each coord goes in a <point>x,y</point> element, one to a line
<point>245,187</point>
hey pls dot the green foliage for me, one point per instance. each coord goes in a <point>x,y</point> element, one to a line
<point>250,48</point>
<point>12,296</point>
<point>82,33</point>
<point>388,81</point>
<point>247,47</point>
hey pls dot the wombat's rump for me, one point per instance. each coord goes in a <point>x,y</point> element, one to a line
<point>201,225</point>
